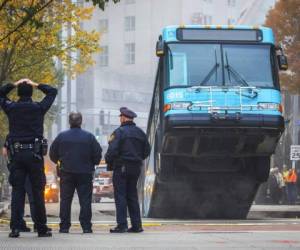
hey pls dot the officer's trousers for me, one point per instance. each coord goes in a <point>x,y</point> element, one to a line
<point>125,190</point>
<point>24,164</point>
<point>83,183</point>
<point>28,191</point>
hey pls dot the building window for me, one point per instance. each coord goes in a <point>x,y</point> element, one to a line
<point>129,53</point>
<point>103,62</point>
<point>197,18</point>
<point>231,3</point>
<point>130,2</point>
<point>231,21</point>
<point>103,25</point>
<point>130,23</point>
<point>207,19</point>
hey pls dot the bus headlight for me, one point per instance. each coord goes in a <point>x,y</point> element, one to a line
<point>269,106</point>
<point>180,105</point>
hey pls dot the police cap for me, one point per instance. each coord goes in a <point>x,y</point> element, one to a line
<point>127,112</point>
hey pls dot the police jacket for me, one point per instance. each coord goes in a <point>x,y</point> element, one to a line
<point>25,117</point>
<point>77,150</point>
<point>129,144</point>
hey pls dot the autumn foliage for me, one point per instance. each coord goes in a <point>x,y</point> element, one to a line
<point>284,18</point>
<point>34,49</point>
<point>43,40</point>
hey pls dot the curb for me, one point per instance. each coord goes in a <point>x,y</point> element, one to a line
<point>77,224</point>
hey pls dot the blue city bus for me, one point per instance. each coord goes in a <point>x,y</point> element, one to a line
<point>214,122</point>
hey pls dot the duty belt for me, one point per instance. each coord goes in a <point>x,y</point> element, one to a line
<point>18,146</point>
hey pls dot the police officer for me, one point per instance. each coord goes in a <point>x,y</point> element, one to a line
<point>25,140</point>
<point>128,147</point>
<point>78,152</point>
<point>28,190</point>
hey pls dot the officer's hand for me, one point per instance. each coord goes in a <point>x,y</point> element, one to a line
<point>20,81</point>
<point>33,84</point>
<point>4,152</point>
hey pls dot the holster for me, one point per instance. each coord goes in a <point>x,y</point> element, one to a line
<point>40,146</point>
<point>117,163</point>
<point>10,149</point>
<point>44,146</point>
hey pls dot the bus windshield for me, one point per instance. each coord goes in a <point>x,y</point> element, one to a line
<point>219,65</point>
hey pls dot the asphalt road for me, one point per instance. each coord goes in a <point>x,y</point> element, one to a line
<point>160,234</point>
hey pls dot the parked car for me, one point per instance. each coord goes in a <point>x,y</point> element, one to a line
<point>102,184</point>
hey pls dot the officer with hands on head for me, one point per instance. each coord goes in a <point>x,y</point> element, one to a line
<point>128,147</point>
<point>28,191</point>
<point>78,151</point>
<point>26,147</point>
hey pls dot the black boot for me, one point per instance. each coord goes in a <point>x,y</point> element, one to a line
<point>135,230</point>
<point>15,233</point>
<point>45,234</point>
<point>118,229</point>
<point>87,231</point>
<point>63,231</point>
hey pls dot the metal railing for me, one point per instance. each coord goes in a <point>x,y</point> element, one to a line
<point>250,92</point>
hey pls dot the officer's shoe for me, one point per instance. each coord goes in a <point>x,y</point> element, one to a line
<point>49,229</point>
<point>14,233</point>
<point>63,231</point>
<point>25,229</point>
<point>118,230</point>
<point>45,234</point>
<point>135,230</point>
<point>87,231</point>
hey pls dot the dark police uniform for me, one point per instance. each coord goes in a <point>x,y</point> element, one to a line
<point>128,147</point>
<point>28,191</point>
<point>22,223</point>
<point>26,120</point>
<point>78,152</point>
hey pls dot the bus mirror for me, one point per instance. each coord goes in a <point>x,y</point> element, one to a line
<point>282,62</point>
<point>281,58</point>
<point>160,47</point>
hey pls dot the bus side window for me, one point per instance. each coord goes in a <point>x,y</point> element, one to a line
<point>178,69</point>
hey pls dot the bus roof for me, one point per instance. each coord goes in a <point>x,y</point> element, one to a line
<point>170,32</point>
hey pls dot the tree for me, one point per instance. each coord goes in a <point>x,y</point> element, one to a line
<point>101,3</point>
<point>43,42</point>
<point>34,50</point>
<point>31,10</point>
<point>284,18</point>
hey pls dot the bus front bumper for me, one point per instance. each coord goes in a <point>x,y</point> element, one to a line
<point>224,121</point>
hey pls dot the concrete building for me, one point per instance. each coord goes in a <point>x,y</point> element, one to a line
<point>254,12</point>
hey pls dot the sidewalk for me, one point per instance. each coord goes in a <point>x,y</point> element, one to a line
<point>4,206</point>
<point>274,211</point>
